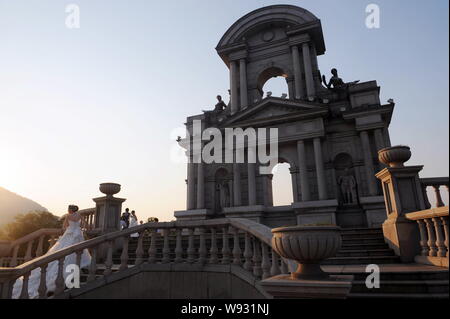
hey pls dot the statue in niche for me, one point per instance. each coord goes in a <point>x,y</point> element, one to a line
<point>223,192</point>
<point>347,185</point>
<point>336,82</point>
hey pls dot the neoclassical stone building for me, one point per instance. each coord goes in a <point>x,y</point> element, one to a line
<point>329,131</point>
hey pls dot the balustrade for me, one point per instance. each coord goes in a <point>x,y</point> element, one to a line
<point>437,184</point>
<point>174,242</point>
<point>433,229</point>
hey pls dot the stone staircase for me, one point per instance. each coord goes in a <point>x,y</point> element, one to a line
<point>360,247</point>
<point>363,246</point>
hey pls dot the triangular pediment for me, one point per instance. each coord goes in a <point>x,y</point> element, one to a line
<point>275,109</point>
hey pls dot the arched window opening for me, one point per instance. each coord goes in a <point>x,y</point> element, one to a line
<point>276,87</point>
<point>282,185</point>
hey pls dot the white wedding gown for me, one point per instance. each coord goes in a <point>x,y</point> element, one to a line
<point>134,223</point>
<point>71,236</point>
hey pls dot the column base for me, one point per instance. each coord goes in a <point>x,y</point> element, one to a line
<point>284,287</point>
<point>193,214</point>
<point>254,212</point>
<point>321,212</point>
<point>403,237</point>
<point>375,210</point>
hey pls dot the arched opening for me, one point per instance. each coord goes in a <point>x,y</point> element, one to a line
<point>272,82</point>
<point>282,185</point>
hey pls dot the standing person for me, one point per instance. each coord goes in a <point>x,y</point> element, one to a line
<point>72,235</point>
<point>126,217</point>
<point>134,223</point>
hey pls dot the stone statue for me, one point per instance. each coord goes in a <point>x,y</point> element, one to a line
<point>336,82</point>
<point>223,191</point>
<point>220,106</point>
<point>347,184</point>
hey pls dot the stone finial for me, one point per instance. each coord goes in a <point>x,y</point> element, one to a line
<point>394,156</point>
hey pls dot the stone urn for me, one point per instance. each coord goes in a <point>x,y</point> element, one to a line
<point>394,156</point>
<point>308,245</point>
<point>109,189</point>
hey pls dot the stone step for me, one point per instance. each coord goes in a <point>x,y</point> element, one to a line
<point>365,252</point>
<point>362,235</point>
<point>363,240</point>
<point>364,246</point>
<point>365,260</point>
<point>399,296</point>
<point>403,287</point>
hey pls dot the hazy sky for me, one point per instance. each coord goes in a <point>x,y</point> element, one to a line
<point>100,103</point>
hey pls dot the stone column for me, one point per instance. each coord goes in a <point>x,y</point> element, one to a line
<point>251,180</point>
<point>303,172</point>
<point>237,185</point>
<point>234,87</point>
<point>200,186</point>
<point>107,211</point>
<point>368,163</point>
<point>379,140</point>
<point>243,81</point>
<point>293,172</point>
<point>299,93</point>
<point>310,90</point>
<point>191,186</point>
<point>320,172</point>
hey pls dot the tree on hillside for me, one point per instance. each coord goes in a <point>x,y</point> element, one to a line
<point>27,223</point>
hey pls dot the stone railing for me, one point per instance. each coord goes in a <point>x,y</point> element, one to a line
<point>256,256</point>
<point>88,218</point>
<point>30,246</point>
<point>434,236</point>
<point>436,183</point>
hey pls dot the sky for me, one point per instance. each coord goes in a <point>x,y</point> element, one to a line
<point>105,102</point>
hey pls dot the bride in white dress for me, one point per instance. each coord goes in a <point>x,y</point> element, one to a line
<point>134,223</point>
<point>72,235</point>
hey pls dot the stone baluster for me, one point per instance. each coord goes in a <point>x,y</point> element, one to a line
<point>24,292</point>
<point>109,260</point>
<point>441,250</point>
<point>152,248</point>
<point>40,246</point>
<point>437,191</point>
<point>265,263</point>
<point>166,247</point>
<point>425,196</point>
<point>445,225</point>
<point>13,262</point>
<point>431,238</point>
<point>248,254</point>
<point>275,268</point>
<point>237,252</point>
<point>257,271</point>
<point>28,252</point>
<point>178,248</point>
<point>423,238</point>
<point>225,247</point>
<point>213,259</point>
<point>191,248</point>
<point>284,267</point>
<point>59,282</point>
<point>202,252</point>
<point>93,265</point>
<point>140,249</point>
<point>78,258</point>
<point>124,255</point>
<point>42,290</point>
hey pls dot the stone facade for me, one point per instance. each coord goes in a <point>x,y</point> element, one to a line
<point>329,133</point>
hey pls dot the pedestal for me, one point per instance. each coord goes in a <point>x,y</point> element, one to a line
<point>283,287</point>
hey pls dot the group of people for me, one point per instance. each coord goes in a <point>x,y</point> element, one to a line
<point>128,220</point>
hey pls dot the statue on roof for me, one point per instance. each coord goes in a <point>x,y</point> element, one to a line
<point>336,82</point>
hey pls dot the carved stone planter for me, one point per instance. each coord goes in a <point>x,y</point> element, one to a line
<point>109,189</point>
<point>308,245</point>
<point>394,156</point>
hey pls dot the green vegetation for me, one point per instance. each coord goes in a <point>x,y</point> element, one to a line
<point>25,224</point>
